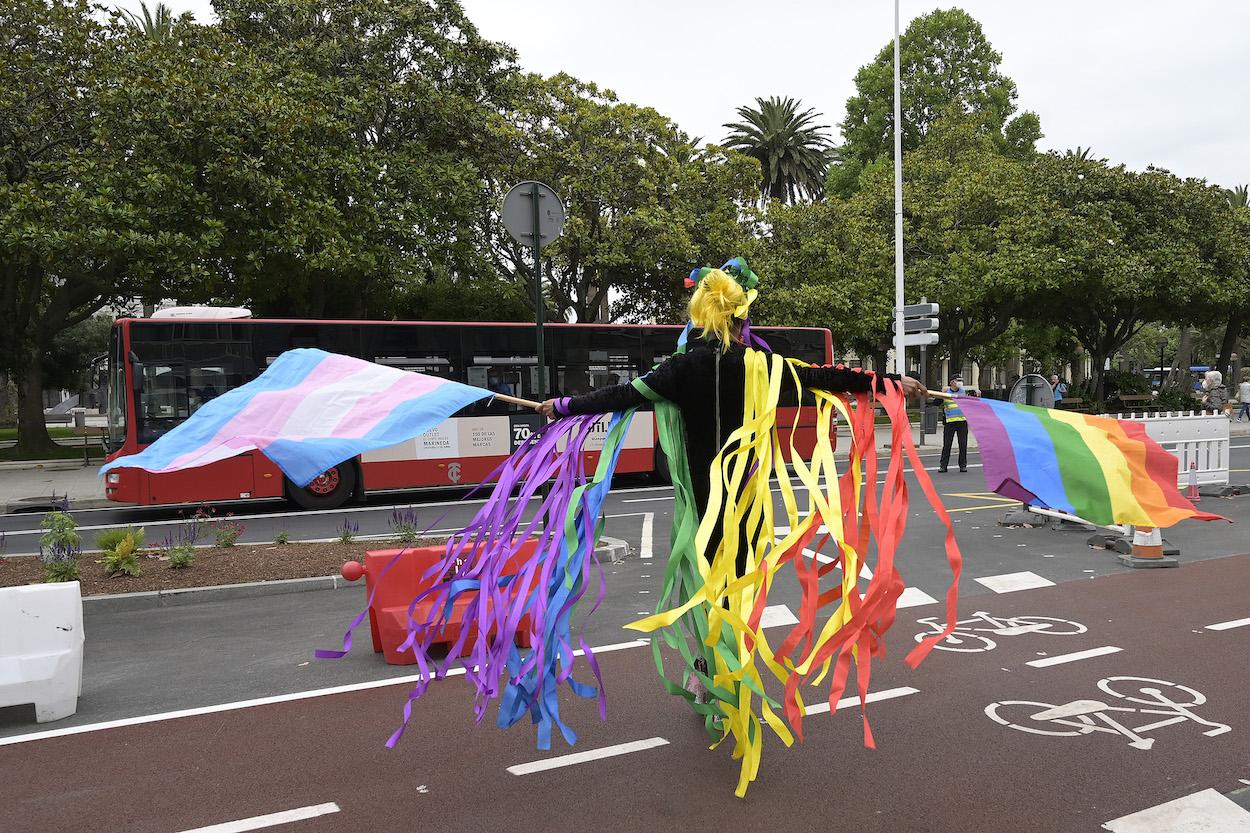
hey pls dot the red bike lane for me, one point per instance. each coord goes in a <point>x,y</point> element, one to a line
<point>941,764</point>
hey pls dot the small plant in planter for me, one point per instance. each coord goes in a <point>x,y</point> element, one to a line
<point>179,547</point>
<point>282,537</point>
<point>121,552</point>
<point>59,547</point>
<point>226,531</point>
<point>348,533</point>
<point>181,556</point>
<point>404,525</point>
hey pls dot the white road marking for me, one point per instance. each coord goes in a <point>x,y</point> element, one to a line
<point>644,547</point>
<point>1060,659</point>
<point>873,697</point>
<point>1011,582</point>
<point>914,597</point>
<point>777,615</point>
<point>270,820</point>
<point>1203,812</point>
<point>265,701</point>
<point>1224,626</point>
<point>588,755</point>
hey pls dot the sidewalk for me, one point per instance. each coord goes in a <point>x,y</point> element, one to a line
<point>82,484</point>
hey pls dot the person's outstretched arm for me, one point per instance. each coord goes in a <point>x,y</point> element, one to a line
<point>842,379</point>
<point>661,382</point>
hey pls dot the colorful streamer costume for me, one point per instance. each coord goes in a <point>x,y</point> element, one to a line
<point>716,408</point>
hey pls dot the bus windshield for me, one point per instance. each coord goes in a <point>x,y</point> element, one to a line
<point>116,403</point>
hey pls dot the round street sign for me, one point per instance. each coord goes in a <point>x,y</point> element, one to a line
<point>518,213</point>
<point>1032,389</point>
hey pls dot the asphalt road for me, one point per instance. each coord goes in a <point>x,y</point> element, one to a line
<point>447,510</point>
<point>1049,730</point>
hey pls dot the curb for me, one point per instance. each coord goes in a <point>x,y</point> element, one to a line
<point>612,550</point>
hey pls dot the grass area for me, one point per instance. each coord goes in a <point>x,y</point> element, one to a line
<point>54,431</point>
<point>61,453</point>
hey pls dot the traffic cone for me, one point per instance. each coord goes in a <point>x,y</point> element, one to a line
<point>1192,492</point>
<point>1147,550</point>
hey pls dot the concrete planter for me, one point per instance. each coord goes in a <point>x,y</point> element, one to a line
<point>41,642</point>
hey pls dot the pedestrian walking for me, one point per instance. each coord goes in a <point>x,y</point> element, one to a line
<point>956,424</point>
<point>1243,396</point>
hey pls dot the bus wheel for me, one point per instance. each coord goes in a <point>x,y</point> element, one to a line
<point>660,474</point>
<point>328,490</point>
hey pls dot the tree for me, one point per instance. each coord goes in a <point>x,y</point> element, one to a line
<point>1133,248</point>
<point>793,152</point>
<point>1238,196</point>
<point>400,143</point>
<point>72,351</point>
<point>948,67</point>
<point>828,264</point>
<point>644,205</point>
<point>93,207</point>
<point>156,24</point>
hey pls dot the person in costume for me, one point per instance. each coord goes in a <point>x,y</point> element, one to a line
<point>706,383</point>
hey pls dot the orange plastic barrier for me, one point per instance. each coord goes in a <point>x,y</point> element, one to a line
<point>388,613</point>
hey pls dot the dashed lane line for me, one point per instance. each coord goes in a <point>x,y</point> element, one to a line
<point>873,697</point>
<point>575,758</point>
<point>1224,626</point>
<point>265,701</point>
<point>270,820</point>
<point>1011,582</point>
<point>1203,812</point>
<point>1075,656</point>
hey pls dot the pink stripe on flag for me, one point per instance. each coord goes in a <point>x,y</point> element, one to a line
<point>372,409</point>
<point>263,411</point>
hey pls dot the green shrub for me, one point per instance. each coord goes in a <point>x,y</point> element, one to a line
<point>226,532</point>
<point>110,538</point>
<point>181,556</point>
<point>124,557</point>
<point>64,570</point>
<point>60,531</point>
<point>59,547</point>
<point>282,538</point>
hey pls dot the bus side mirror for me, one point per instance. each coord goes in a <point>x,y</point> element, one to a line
<point>136,374</point>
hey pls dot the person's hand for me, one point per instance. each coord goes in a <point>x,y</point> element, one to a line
<point>547,409</point>
<point>912,388</point>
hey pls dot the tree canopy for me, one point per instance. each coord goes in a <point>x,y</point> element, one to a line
<point>793,152</point>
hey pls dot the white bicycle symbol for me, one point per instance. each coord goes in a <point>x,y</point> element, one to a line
<point>1084,717</point>
<point>967,638</point>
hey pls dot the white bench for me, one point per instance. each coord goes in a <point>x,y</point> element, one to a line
<point>41,640</point>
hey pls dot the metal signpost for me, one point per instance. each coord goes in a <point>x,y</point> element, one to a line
<point>919,323</point>
<point>534,215</point>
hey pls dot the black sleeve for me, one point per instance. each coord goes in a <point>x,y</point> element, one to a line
<point>602,401</point>
<point>842,379</point>
<point>663,382</point>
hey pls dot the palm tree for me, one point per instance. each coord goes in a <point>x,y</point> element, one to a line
<point>156,24</point>
<point>793,152</point>
<point>1238,196</point>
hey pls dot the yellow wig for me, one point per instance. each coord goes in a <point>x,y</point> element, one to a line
<point>718,301</point>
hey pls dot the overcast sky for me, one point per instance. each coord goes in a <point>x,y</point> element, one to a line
<point>1163,82</point>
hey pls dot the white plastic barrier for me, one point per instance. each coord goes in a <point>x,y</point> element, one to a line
<point>41,640</point>
<point>1197,440</point>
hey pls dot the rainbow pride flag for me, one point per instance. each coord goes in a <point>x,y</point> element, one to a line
<point>308,411</point>
<point>1107,471</point>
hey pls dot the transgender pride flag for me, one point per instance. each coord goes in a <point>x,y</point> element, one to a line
<point>308,411</point>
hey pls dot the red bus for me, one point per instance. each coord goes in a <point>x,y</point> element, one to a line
<point>161,370</point>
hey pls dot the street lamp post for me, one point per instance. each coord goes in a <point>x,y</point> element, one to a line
<point>900,364</point>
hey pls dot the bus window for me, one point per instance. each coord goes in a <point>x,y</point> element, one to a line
<point>587,360</point>
<point>502,359</point>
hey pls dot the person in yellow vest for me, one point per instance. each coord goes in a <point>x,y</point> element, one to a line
<point>956,424</point>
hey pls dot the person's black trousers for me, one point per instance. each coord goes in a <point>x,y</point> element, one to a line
<point>953,429</point>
